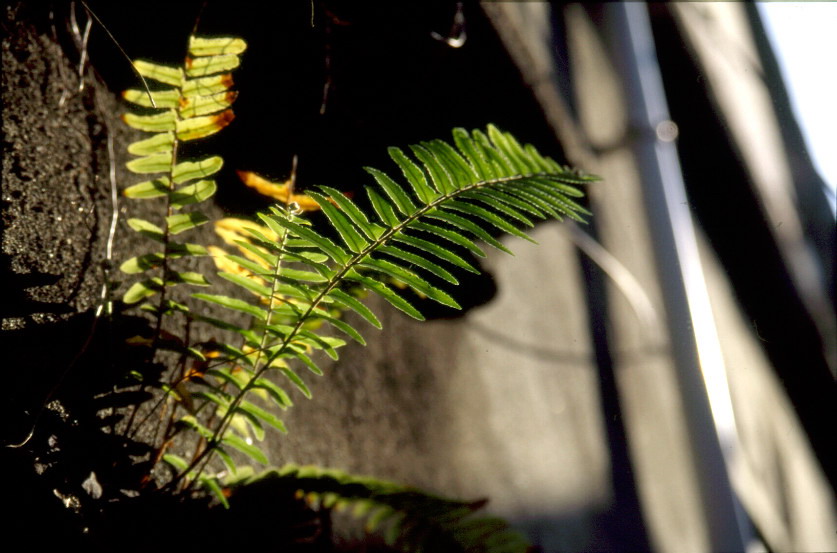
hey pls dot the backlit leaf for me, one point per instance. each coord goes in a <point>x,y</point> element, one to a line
<point>438,251</point>
<point>510,150</point>
<point>297,274</point>
<point>248,283</point>
<point>155,163</point>
<point>147,229</point>
<point>142,263</point>
<point>234,303</point>
<point>211,484</point>
<point>419,261</point>
<point>188,170</point>
<point>411,279</point>
<point>296,380</point>
<point>148,189</point>
<point>343,327</point>
<point>341,223</point>
<point>352,303</point>
<point>450,235</point>
<point>248,449</point>
<point>438,173</point>
<point>177,462</point>
<point>279,395</point>
<point>161,73</point>
<point>487,216</point>
<point>415,176</point>
<point>386,293</point>
<point>185,221</point>
<point>207,86</point>
<point>383,208</point>
<point>162,98</point>
<point>470,226</point>
<point>202,66</point>
<point>206,46</point>
<point>194,106</point>
<point>186,249</point>
<point>372,231</point>
<point>504,204</point>
<point>159,143</point>
<point>324,244</point>
<point>158,122</point>
<point>460,170</point>
<point>392,189</point>
<point>193,193</point>
<point>187,277</point>
<point>141,290</point>
<point>479,162</point>
<point>263,415</point>
<point>201,127</point>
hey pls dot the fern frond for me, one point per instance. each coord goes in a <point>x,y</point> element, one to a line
<point>295,276</point>
<point>297,282</point>
<point>469,193</point>
<point>408,518</point>
<point>193,102</point>
<point>190,103</point>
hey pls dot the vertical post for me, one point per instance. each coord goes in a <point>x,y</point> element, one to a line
<point>699,364</point>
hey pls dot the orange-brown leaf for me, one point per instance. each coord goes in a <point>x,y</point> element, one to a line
<point>280,191</point>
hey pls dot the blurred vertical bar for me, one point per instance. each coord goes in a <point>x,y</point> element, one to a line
<point>696,350</point>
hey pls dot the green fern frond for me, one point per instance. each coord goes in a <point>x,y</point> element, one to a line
<point>295,275</point>
<point>189,103</point>
<point>408,518</point>
<point>193,102</point>
<point>469,194</point>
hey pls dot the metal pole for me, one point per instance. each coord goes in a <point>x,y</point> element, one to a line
<point>696,350</point>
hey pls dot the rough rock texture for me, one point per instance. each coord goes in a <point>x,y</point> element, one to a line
<point>55,179</point>
<point>63,171</point>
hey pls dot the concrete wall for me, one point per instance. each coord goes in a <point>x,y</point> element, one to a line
<point>771,435</point>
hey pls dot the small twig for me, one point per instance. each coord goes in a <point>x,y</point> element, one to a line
<point>197,19</point>
<point>60,66</point>
<point>327,65</point>
<point>105,303</point>
<point>82,62</point>
<point>621,277</point>
<point>330,20</point>
<point>292,180</point>
<point>124,53</point>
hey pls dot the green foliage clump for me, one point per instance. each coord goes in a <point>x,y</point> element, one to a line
<point>297,281</point>
<point>409,519</point>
